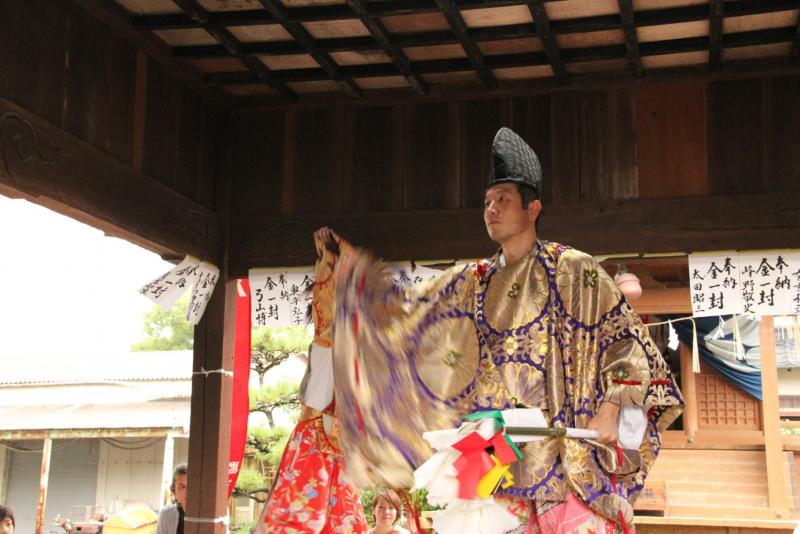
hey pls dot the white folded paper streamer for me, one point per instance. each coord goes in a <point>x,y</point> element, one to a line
<point>438,477</point>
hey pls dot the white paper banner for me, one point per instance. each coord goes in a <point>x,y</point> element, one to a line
<point>714,284</point>
<point>168,288</point>
<point>279,296</point>
<point>207,275</point>
<point>768,283</point>
<point>794,277</point>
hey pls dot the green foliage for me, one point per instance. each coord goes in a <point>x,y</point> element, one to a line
<point>266,444</point>
<point>788,429</point>
<point>367,496</point>
<point>419,500</point>
<point>244,528</point>
<point>249,480</point>
<point>167,329</point>
<point>271,346</point>
<point>284,394</point>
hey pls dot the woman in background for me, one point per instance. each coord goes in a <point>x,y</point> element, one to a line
<point>387,509</point>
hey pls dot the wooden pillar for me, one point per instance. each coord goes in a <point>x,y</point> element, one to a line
<point>209,434</point>
<point>689,390</point>
<point>4,458</point>
<point>44,477</point>
<point>769,405</point>
<point>166,469</point>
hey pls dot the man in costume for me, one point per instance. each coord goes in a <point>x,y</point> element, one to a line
<point>311,494</point>
<point>539,325</point>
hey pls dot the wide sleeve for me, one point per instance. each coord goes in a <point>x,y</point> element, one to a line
<point>609,356</point>
<point>404,361</point>
<point>616,342</point>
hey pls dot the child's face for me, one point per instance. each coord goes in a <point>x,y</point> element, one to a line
<point>180,490</point>
<point>6,526</point>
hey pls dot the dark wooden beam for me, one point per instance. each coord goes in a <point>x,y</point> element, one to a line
<point>301,35</point>
<point>643,225</point>
<point>358,44</point>
<point>598,53</point>
<point>759,68</point>
<point>49,166</point>
<point>387,69</point>
<point>395,53</point>
<point>234,48</point>
<point>716,10</point>
<point>542,22</point>
<point>492,33</point>
<point>631,40</point>
<point>259,17</point>
<point>459,27</point>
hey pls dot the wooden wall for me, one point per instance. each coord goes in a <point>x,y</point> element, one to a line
<point>677,139</point>
<point>64,66</point>
<point>603,151</point>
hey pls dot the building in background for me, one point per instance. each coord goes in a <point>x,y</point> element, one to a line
<point>116,426</point>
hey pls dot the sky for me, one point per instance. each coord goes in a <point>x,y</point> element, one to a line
<point>65,288</point>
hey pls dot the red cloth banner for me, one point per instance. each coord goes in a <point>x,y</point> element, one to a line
<point>240,407</point>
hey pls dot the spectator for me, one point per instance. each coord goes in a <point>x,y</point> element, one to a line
<point>7,521</point>
<point>170,519</point>
<point>387,509</point>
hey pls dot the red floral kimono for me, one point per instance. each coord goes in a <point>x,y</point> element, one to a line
<point>311,494</point>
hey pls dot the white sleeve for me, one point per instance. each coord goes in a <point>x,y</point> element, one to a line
<point>166,523</point>
<point>632,426</point>
<point>319,388</point>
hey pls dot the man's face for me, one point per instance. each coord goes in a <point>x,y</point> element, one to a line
<point>180,490</point>
<point>504,215</point>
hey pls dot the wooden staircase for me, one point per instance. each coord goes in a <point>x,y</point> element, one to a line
<point>713,491</point>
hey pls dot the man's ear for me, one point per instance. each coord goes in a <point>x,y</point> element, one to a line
<point>534,209</point>
<point>172,487</point>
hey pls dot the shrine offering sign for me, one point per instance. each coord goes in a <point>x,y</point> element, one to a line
<point>753,282</point>
<point>280,297</point>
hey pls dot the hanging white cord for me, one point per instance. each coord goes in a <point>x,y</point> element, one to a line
<point>205,372</point>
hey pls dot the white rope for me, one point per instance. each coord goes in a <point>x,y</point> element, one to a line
<point>220,519</point>
<point>670,321</point>
<point>738,348</point>
<point>205,372</point>
<point>796,335</point>
<point>695,351</point>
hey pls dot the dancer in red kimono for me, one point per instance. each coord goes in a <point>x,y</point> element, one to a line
<point>311,494</point>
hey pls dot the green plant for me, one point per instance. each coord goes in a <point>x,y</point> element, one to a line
<point>243,528</point>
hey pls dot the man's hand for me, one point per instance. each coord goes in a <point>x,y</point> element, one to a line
<point>605,422</point>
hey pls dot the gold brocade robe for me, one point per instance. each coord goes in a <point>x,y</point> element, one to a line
<point>551,331</point>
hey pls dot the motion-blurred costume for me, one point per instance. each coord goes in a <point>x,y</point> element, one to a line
<point>311,493</point>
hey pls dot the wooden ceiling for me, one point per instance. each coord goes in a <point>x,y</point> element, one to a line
<point>292,47</point>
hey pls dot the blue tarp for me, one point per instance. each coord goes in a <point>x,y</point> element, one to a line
<point>741,373</point>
